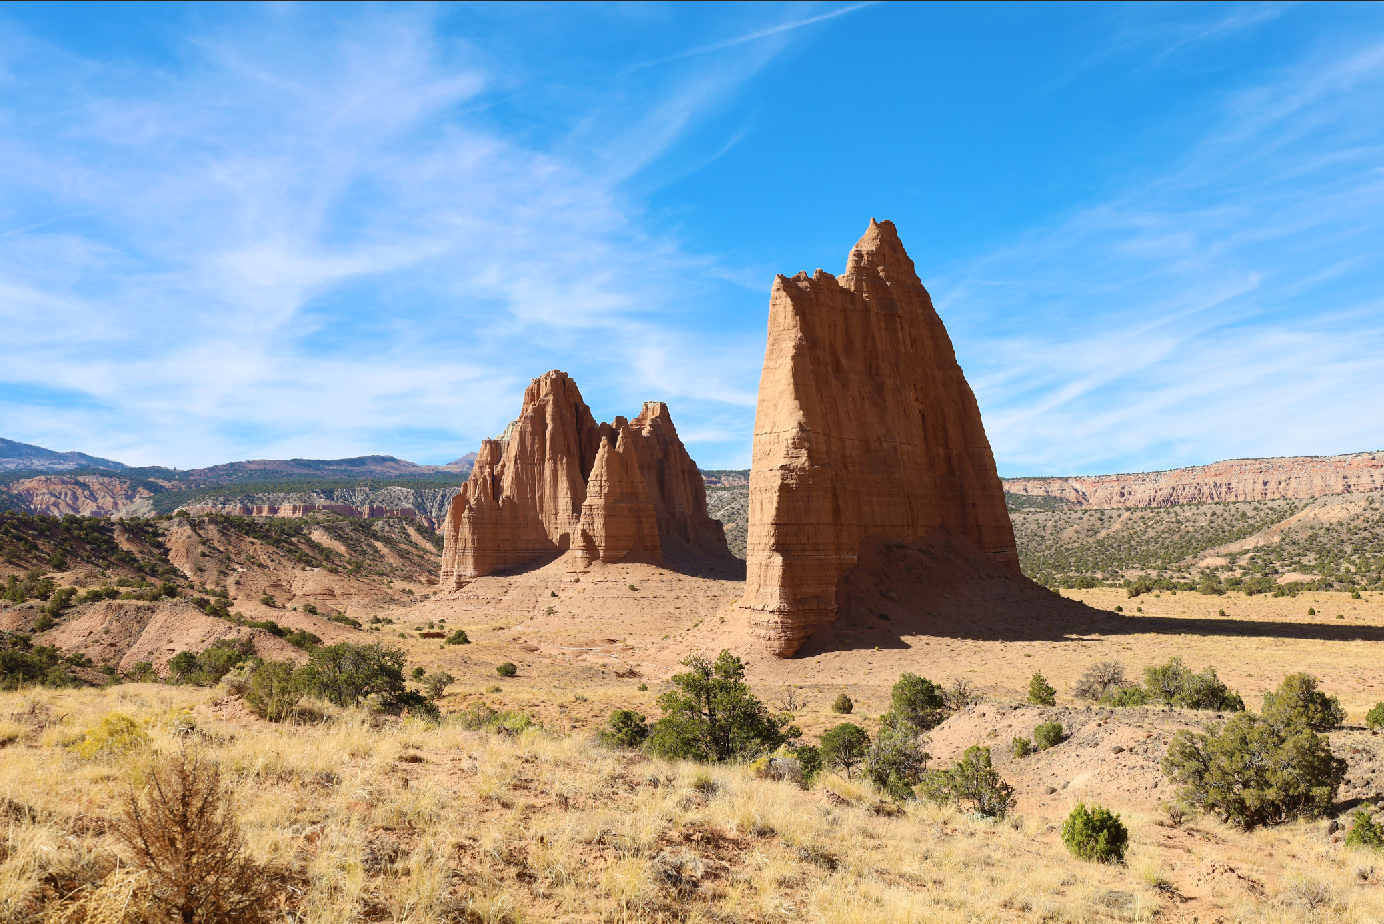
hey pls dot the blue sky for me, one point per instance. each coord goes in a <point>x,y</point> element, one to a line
<point>1153,231</point>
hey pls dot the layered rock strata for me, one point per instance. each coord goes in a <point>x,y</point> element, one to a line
<point>1298,477</point>
<point>556,481</point>
<point>865,427</point>
<point>368,511</point>
<point>82,495</point>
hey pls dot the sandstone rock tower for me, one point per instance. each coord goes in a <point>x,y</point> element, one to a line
<point>556,480</point>
<point>865,427</point>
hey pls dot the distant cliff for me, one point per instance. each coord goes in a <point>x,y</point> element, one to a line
<point>1295,477</point>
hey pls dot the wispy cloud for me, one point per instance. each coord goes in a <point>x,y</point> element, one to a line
<point>754,36</point>
<point>1223,308</point>
<point>294,245</point>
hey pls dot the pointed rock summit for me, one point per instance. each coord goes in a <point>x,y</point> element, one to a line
<point>865,428</point>
<point>556,480</point>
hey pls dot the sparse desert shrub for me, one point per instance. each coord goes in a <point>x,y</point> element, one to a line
<point>273,690</point>
<point>1375,717</point>
<point>208,666</point>
<point>1132,695</point>
<point>710,715</point>
<point>896,760</point>
<point>23,663</point>
<point>844,747</point>
<point>458,638</point>
<point>182,831</point>
<point>116,736</point>
<point>514,723</point>
<point>625,728</point>
<point>919,702</point>
<point>33,586</point>
<point>1254,772</point>
<point>435,684</point>
<point>1210,584</point>
<point>1049,735</point>
<point>480,717</point>
<point>1100,680</point>
<point>1095,834</point>
<point>1365,831</point>
<point>1142,586</point>
<point>96,594</point>
<point>843,704</point>
<point>310,609</point>
<point>782,765</point>
<point>508,669</point>
<point>61,600</point>
<point>1176,684</point>
<point>345,674</point>
<point>1298,701</point>
<point>1040,692</point>
<point>810,758</point>
<point>477,716</point>
<point>960,695</point>
<point>972,784</point>
<point>1021,747</point>
<point>267,600</point>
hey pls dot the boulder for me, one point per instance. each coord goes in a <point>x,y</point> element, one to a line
<point>865,427</point>
<point>556,480</point>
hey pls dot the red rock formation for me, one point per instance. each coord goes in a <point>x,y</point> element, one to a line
<point>617,518</point>
<point>556,480</point>
<point>83,495</point>
<point>865,427</point>
<point>1232,480</point>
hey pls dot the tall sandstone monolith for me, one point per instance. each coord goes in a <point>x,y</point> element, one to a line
<point>556,480</point>
<point>865,427</point>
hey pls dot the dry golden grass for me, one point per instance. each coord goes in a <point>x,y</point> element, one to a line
<point>403,821</point>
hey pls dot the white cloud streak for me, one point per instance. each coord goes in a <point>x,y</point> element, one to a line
<point>754,36</point>
<point>1224,309</point>
<point>293,245</point>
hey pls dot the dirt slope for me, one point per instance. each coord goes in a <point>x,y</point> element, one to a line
<point>124,633</point>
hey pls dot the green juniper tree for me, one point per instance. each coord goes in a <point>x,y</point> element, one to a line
<point>710,715</point>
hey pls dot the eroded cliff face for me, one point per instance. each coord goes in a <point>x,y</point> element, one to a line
<point>1298,477</point>
<point>865,427</point>
<point>82,495</point>
<point>558,481</point>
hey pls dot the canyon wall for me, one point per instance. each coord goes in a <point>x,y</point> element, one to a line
<point>556,481</point>
<point>1232,480</point>
<point>865,427</point>
<point>302,510</point>
<point>82,495</point>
